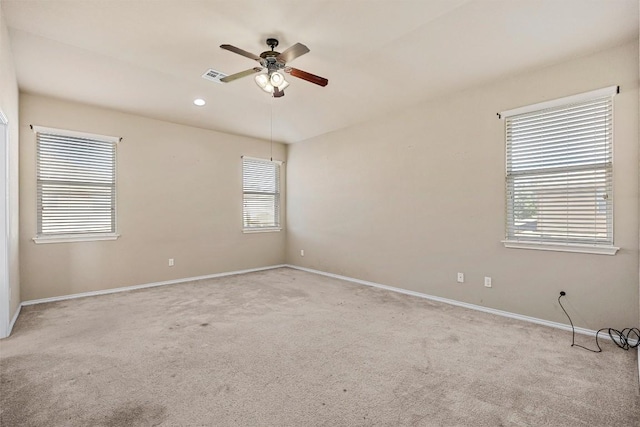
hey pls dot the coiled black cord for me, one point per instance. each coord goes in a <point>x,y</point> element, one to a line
<point>621,338</point>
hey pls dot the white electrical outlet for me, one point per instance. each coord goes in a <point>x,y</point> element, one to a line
<point>301,252</point>
<point>487,282</point>
<point>460,277</point>
<point>171,263</point>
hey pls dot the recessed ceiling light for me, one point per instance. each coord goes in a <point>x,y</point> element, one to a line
<point>199,102</point>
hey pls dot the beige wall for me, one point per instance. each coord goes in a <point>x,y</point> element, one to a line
<point>9,106</point>
<point>410,199</point>
<point>179,195</point>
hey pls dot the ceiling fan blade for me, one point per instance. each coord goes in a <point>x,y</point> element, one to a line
<point>240,52</point>
<point>292,53</point>
<point>321,81</point>
<point>241,74</point>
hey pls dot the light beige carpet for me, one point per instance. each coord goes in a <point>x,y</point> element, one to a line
<point>289,348</point>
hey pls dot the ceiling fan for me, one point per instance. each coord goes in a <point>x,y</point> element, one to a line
<point>273,80</point>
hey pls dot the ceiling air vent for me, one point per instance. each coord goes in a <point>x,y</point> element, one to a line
<point>213,75</point>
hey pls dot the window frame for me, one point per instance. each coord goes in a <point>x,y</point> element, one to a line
<point>591,248</point>
<point>41,238</point>
<point>278,214</point>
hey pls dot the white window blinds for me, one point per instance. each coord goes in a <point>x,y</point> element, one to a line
<point>559,174</point>
<point>261,194</point>
<point>76,184</point>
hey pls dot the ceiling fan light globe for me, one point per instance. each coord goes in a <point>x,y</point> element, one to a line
<point>277,79</point>
<point>262,80</point>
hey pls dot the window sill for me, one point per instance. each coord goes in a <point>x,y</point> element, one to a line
<point>68,238</point>
<point>561,247</point>
<point>261,230</point>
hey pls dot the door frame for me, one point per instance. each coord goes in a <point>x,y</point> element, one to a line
<point>5,288</point>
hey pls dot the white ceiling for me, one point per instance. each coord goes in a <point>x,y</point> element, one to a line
<point>147,57</point>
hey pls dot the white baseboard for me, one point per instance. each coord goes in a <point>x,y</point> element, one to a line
<point>536,320</point>
<point>146,285</point>
<point>13,321</point>
<point>549,323</point>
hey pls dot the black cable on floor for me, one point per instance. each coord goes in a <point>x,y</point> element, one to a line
<point>621,338</point>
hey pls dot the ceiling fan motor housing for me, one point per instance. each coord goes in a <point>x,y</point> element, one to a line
<point>270,57</point>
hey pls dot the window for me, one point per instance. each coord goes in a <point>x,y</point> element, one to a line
<point>261,194</point>
<point>76,186</point>
<point>559,189</point>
